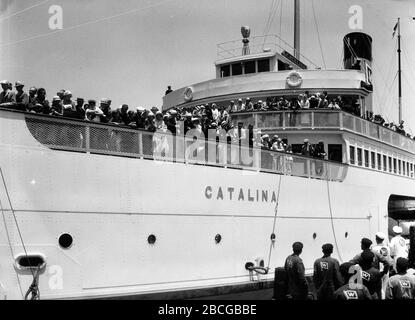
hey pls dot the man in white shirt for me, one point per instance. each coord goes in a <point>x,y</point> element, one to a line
<point>398,248</point>
<point>383,250</point>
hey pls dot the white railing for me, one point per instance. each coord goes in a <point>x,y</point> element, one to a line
<point>112,140</point>
<point>321,119</point>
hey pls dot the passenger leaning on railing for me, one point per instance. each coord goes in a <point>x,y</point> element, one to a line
<point>22,98</point>
<point>7,97</point>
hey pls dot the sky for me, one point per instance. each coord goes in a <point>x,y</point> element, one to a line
<point>130,50</point>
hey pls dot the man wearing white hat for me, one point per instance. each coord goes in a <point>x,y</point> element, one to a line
<point>398,248</point>
<point>383,250</point>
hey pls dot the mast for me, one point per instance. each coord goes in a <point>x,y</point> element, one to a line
<point>297,29</point>
<point>399,72</point>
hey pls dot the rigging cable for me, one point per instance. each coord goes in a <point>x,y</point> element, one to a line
<point>282,2</point>
<point>34,275</point>
<point>271,9</point>
<point>318,34</point>
<point>275,220</point>
<point>46,34</point>
<point>24,10</point>
<point>332,222</point>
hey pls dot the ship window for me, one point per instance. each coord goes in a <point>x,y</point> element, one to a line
<point>352,155</point>
<point>283,66</point>
<point>390,164</point>
<point>399,166</point>
<point>407,169</point>
<point>335,152</point>
<point>263,65</point>
<point>236,69</point>
<point>394,165</point>
<point>379,161</point>
<point>249,67</point>
<point>373,159</point>
<point>225,71</point>
<point>404,168</point>
<point>412,170</point>
<point>366,158</point>
<point>359,157</point>
<point>385,163</point>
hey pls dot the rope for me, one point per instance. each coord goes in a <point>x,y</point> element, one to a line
<point>332,222</point>
<point>33,292</point>
<point>318,34</point>
<point>10,244</point>
<point>275,220</point>
<point>34,275</point>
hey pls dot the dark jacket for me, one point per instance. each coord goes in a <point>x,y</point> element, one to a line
<point>327,278</point>
<point>297,283</point>
<point>379,258</point>
<point>372,279</point>
<point>355,292</point>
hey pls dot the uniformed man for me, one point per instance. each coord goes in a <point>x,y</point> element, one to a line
<point>371,276</point>
<point>327,278</point>
<point>22,98</point>
<point>351,290</point>
<point>383,250</point>
<point>7,97</point>
<point>401,286</point>
<point>378,258</point>
<point>398,248</point>
<point>294,267</point>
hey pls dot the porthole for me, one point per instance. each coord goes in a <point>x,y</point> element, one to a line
<point>273,236</point>
<point>314,235</point>
<point>346,234</point>
<point>218,238</point>
<point>151,239</point>
<point>65,241</point>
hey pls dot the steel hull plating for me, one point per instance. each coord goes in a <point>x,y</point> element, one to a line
<point>110,205</point>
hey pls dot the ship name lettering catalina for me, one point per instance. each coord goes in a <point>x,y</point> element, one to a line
<point>239,194</point>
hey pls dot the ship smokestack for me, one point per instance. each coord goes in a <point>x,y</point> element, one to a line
<point>357,51</point>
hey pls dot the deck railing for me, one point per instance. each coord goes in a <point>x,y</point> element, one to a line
<point>106,139</point>
<point>320,120</point>
<point>258,44</point>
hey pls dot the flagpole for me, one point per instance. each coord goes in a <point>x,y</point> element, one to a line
<point>399,72</point>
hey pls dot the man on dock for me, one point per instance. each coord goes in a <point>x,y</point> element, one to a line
<point>351,290</point>
<point>377,260</point>
<point>401,286</point>
<point>327,278</point>
<point>384,251</point>
<point>294,267</point>
<point>398,247</point>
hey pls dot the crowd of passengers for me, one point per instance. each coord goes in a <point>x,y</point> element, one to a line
<point>202,117</point>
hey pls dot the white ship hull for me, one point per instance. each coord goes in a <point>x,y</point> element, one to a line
<point>110,205</point>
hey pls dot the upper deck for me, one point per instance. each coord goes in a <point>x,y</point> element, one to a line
<point>268,84</point>
<point>318,120</point>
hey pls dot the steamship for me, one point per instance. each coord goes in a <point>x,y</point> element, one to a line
<point>89,212</point>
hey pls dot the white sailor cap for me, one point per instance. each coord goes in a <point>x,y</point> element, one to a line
<point>397,229</point>
<point>380,235</point>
